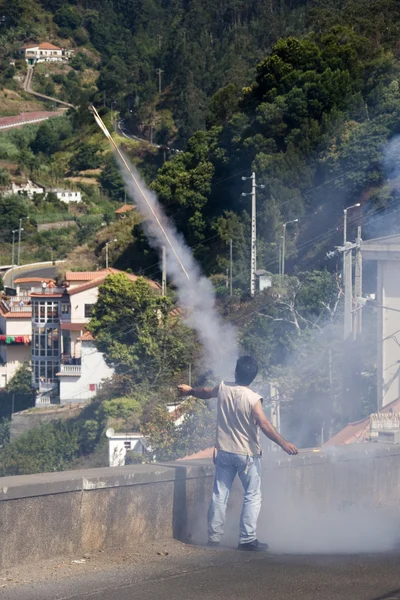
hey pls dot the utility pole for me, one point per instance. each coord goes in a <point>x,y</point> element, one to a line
<point>164,272</point>
<point>347,275</point>
<point>280,258</point>
<point>357,325</point>
<point>348,289</point>
<point>253,258</point>
<point>230,267</point>
<point>284,244</point>
<point>20,230</point>
<point>159,73</point>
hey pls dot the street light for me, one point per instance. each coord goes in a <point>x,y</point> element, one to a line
<point>284,242</point>
<point>19,237</point>
<point>13,245</point>
<point>345,220</point>
<point>107,244</point>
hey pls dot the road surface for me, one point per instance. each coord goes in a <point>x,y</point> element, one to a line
<point>209,574</point>
<point>48,271</point>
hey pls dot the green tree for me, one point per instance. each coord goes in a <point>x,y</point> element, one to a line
<point>68,17</point>
<point>85,158</point>
<point>133,326</point>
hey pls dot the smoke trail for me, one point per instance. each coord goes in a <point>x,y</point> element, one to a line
<point>195,294</point>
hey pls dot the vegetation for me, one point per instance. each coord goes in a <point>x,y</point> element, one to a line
<point>305,94</point>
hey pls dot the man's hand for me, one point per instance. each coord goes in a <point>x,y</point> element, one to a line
<point>289,448</point>
<point>184,390</point>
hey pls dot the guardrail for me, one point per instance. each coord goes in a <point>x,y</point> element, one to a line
<point>71,370</point>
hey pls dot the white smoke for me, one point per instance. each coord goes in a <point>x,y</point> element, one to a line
<point>195,292</point>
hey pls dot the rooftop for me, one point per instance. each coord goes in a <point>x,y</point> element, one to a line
<point>124,209</point>
<point>42,46</point>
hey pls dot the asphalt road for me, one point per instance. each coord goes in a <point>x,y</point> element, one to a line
<point>49,272</point>
<point>231,575</point>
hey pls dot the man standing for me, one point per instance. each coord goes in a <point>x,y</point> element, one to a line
<point>239,418</point>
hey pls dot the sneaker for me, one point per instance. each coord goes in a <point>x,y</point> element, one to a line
<point>254,546</point>
<point>212,544</point>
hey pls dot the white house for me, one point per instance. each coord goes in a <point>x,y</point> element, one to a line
<point>26,189</point>
<point>67,196</point>
<point>44,52</point>
<point>79,381</point>
<point>121,443</point>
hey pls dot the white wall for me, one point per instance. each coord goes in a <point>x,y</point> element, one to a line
<point>17,326</point>
<point>78,302</point>
<point>15,356</point>
<point>388,325</point>
<point>94,370</point>
<point>117,451</point>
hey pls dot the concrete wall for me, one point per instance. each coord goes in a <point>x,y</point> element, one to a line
<point>29,419</point>
<point>70,513</point>
<point>42,516</point>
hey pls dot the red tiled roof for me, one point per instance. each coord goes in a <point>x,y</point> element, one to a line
<point>86,337</point>
<point>73,326</point>
<point>86,275</point>
<point>359,430</point>
<point>101,277</point>
<point>207,453</point>
<point>124,209</point>
<point>46,46</point>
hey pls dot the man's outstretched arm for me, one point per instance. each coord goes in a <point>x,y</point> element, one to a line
<point>201,393</point>
<point>269,430</point>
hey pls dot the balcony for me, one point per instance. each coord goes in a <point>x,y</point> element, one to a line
<point>70,371</point>
<point>47,291</point>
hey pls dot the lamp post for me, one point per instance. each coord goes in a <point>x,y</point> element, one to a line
<point>345,220</point>
<point>13,247</point>
<point>284,243</point>
<point>107,244</point>
<point>20,230</point>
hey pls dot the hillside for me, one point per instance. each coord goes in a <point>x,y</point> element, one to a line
<point>305,93</point>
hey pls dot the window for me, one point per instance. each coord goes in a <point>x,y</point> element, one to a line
<point>127,445</point>
<point>88,310</point>
<point>92,387</point>
<point>65,308</point>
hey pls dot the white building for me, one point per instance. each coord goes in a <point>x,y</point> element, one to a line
<point>62,350</point>
<point>44,52</point>
<point>386,252</point>
<point>26,189</point>
<point>121,443</point>
<point>67,196</point>
<point>15,335</point>
<point>79,381</point>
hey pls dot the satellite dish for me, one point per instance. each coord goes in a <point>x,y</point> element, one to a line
<point>110,432</point>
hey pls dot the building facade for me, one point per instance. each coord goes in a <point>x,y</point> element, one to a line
<point>67,196</point>
<point>15,335</point>
<point>44,52</point>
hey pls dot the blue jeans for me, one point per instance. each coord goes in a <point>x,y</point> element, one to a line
<point>229,465</point>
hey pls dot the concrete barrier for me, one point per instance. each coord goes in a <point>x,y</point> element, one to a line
<point>71,513</point>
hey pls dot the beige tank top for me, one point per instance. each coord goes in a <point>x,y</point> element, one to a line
<point>237,431</point>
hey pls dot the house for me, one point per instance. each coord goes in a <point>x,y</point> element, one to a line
<point>121,443</point>
<point>66,196</point>
<point>64,356</point>
<point>44,52</point>
<point>365,429</point>
<point>123,210</point>
<point>15,335</point>
<point>26,189</point>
